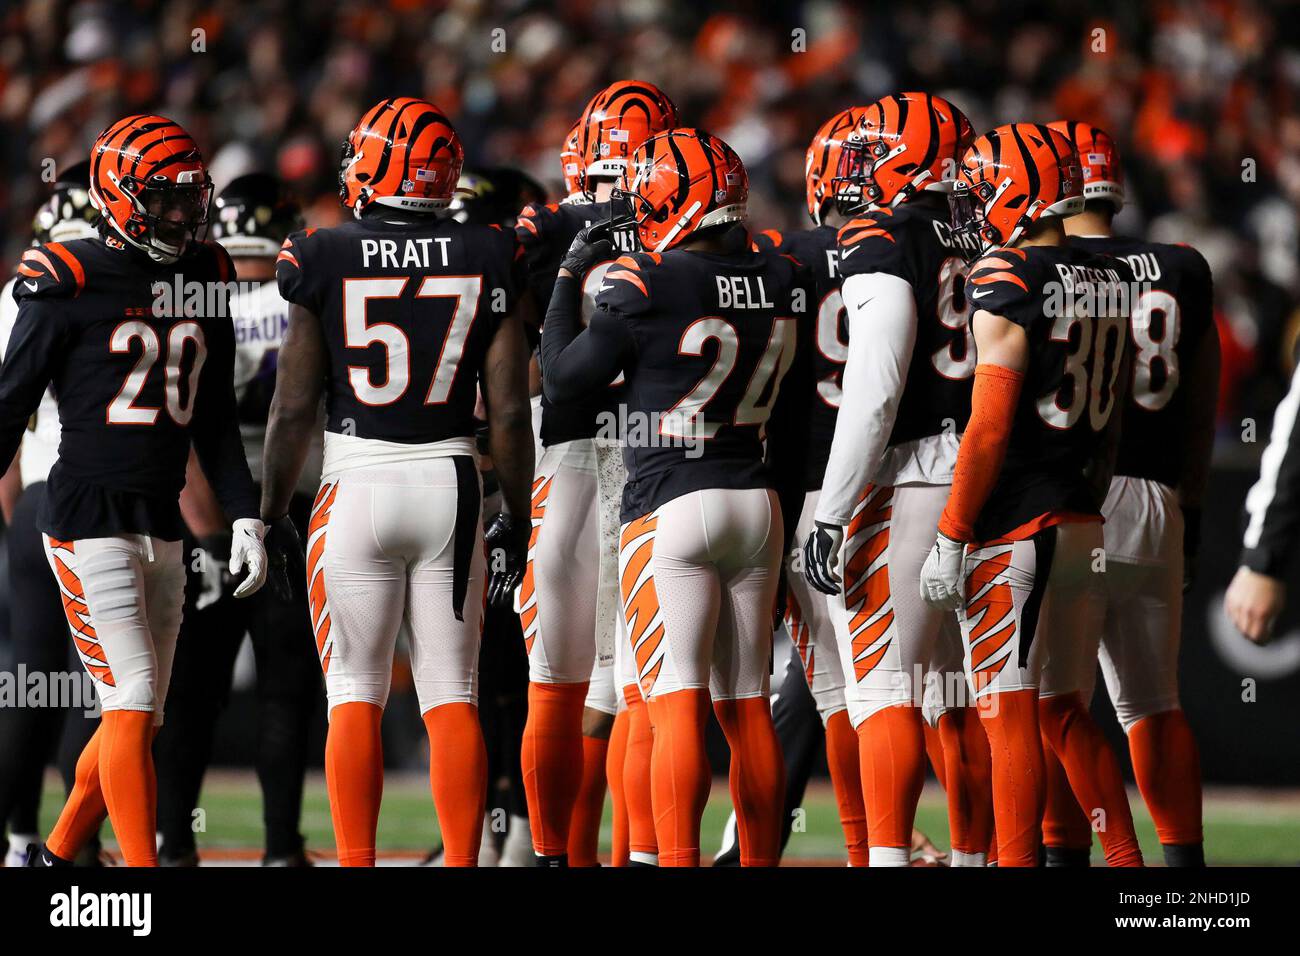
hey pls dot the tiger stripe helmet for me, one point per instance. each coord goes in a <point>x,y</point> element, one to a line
<point>903,143</point>
<point>1009,179</point>
<point>616,121</point>
<point>571,161</point>
<point>148,181</point>
<point>1103,176</point>
<point>404,153</point>
<point>823,160</point>
<point>683,181</point>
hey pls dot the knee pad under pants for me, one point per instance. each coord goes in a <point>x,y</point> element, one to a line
<point>888,637</point>
<point>808,621</point>
<point>699,578</point>
<point>558,596</point>
<point>122,597</point>
<point>1033,611</point>
<point>385,551</point>
<point>1143,584</point>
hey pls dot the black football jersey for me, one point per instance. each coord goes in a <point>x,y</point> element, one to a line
<point>1071,306</point>
<point>816,249</point>
<point>408,309</point>
<point>545,233</point>
<point>1171,316</point>
<point>141,357</point>
<point>914,242</point>
<point>712,338</point>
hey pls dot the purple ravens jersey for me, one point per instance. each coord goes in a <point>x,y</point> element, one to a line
<point>140,356</point>
<point>1072,305</point>
<point>816,249</point>
<point>408,309</point>
<point>913,242</point>
<point>545,233</point>
<point>712,336</point>
<point>1171,317</point>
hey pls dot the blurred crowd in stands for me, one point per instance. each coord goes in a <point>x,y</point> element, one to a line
<point>1202,95</point>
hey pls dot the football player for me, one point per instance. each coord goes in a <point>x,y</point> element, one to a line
<point>1021,529</point>
<point>397,318</point>
<point>30,736</point>
<point>705,330</point>
<point>568,606</point>
<point>909,359</point>
<point>253,216</point>
<point>139,376</point>
<point>1153,508</point>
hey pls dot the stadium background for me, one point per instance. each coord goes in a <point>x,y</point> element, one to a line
<point>1202,95</point>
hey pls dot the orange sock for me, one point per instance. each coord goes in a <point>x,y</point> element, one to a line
<point>130,788</point>
<point>458,779</point>
<point>85,809</point>
<point>679,774</point>
<point>934,753</point>
<point>892,747</point>
<point>552,762</point>
<point>615,755</point>
<point>846,781</point>
<point>757,778</point>
<point>637,787</point>
<point>584,826</point>
<point>1093,772</point>
<point>1010,720</point>
<point>354,777</point>
<point>970,780</point>
<point>1168,770</point>
<point>1064,822</point>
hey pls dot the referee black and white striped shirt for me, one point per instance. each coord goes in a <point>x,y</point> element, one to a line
<point>1273,504</point>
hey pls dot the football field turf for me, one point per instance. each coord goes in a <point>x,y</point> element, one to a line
<point>1242,826</point>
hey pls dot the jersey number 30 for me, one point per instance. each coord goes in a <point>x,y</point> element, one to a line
<point>359,334</point>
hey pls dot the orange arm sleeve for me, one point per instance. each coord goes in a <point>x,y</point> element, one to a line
<point>983,448</point>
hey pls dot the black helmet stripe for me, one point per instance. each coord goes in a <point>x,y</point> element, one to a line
<point>932,146</point>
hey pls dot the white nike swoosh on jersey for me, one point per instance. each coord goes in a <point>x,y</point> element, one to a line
<point>30,285</point>
<point>603,286</point>
<point>981,292</point>
<point>845,253</point>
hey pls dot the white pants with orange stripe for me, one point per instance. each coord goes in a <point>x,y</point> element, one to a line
<point>808,620</point>
<point>122,596</point>
<point>383,548</point>
<point>892,645</point>
<point>1034,611</point>
<point>558,596</point>
<point>699,578</point>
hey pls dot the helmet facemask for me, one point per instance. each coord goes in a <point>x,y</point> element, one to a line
<point>166,216</point>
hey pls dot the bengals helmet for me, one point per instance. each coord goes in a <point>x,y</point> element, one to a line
<point>616,121</point>
<point>902,143</point>
<point>571,162</point>
<point>404,154</point>
<point>254,215</point>
<point>681,182</point>
<point>823,160</point>
<point>1103,177</point>
<point>68,213</point>
<point>149,183</point>
<point>1009,179</point>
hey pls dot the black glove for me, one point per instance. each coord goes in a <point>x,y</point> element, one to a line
<point>213,568</point>
<point>820,555</point>
<point>589,246</point>
<point>507,544</point>
<point>287,563</point>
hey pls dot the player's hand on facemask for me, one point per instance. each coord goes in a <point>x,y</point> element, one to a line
<point>589,246</point>
<point>247,551</point>
<point>942,583</point>
<point>821,555</point>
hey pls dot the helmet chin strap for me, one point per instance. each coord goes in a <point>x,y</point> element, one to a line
<point>681,224</point>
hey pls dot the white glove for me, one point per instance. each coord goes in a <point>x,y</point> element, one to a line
<point>246,548</point>
<point>942,580</point>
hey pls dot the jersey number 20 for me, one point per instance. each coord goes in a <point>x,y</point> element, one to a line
<point>125,408</point>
